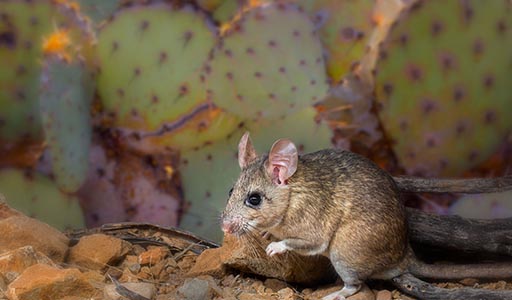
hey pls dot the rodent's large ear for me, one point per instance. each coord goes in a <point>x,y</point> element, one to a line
<point>282,161</point>
<point>246,152</point>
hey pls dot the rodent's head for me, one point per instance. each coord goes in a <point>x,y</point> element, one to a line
<point>260,196</point>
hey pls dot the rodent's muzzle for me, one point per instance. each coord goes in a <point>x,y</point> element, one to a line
<point>231,225</point>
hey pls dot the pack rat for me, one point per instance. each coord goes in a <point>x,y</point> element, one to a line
<point>333,203</point>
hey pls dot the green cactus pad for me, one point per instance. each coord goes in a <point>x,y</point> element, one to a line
<point>443,84</point>
<point>203,126</point>
<point>151,58</point>
<point>209,5</point>
<point>24,27</point>
<point>225,10</point>
<point>268,63</point>
<point>209,173</point>
<point>344,28</point>
<point>37,196</point>
<point>66,94</point>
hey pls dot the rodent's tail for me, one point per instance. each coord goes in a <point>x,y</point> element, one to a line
<point>464,186</point>
<point>447,271</point>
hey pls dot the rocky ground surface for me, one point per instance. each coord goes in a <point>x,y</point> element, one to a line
<point>141,262</point>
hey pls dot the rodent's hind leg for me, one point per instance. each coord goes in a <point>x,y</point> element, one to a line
<point>351,281</point>
<point>346,291</point>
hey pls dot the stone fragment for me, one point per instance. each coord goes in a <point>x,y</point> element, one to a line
<point>153,255</point>
<point>364,294</point>
<point>195,289</point>
<point>45,282</point>
<point>252,296</point>
<point>14,262</point>
<point>147,290</point>
<point>384,295</point>
<point>98,251</point>
<point>275,284</point>
<point>287,294</point>
<point>209,262</point>
<point>18,230</point>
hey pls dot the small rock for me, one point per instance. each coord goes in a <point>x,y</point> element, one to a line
<point>145,273</point>
<point>195,289</point>
<point>46,282</point>
<point>14,262</point>
<point>134,268</point>
<point>469,281</point>
<point>187,262</point>
<point>500,285</point>
<point>286,294</point>
<point>94,277</point>
<point>18,230</point>
<point>364,294</point>
<point>97,251</point>
<point>323,291</point>
<point>147,290</point>
<point>138,249</point>
<point>209,262</point>
<point>307,291</point>
<point>153,255</point>
<point>157,269</point>
<point>275,284</point>
<point>253,296</point>
<point>384,295</point>
<point>128,277</point>
<point>113,272</point>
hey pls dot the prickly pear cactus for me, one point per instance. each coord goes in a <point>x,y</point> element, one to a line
<point>344,28</point>
<point>443,84</point>
<point>98,10</point>
<point>24,28</point>
<point>204,125</point>
<point>225,10</point>
<point>209,5</point>
<point>206,195</point>
<point>37,196</point>
<point>267,64</point>
<point>150,76</point>
<point>484,206</point>
<point>66,93</point>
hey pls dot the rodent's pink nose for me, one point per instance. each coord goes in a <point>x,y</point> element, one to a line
<point>228,227</point>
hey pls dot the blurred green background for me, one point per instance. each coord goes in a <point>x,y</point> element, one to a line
<point>115,111</point>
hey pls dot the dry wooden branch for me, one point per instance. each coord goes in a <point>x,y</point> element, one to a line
<point>465,186</point>
<point>454,232</point>
<point>423,290</point>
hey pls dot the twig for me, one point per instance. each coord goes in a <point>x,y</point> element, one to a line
<point>454,232</point>
<point>123,291</point>
<point>464,186</point>
<point>411,285</point>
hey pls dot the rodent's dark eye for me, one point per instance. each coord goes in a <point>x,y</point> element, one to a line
<point>254,200</point>
<point>230,192</point>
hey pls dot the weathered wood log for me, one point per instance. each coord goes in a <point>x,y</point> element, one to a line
<point>411,285</point>
<point>454,232</point>
<point>464,186</point>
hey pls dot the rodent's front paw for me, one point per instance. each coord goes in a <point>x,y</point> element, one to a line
<point>276,248</point>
